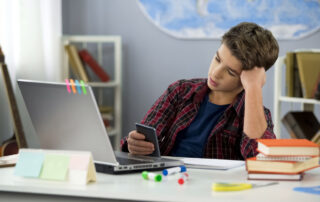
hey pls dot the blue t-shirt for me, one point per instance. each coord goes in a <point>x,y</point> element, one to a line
<point>191,141</point>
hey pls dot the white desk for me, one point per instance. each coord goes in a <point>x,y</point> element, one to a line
<point>133,187</point>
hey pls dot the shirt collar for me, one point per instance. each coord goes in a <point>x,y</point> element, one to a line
<point>237,104</point>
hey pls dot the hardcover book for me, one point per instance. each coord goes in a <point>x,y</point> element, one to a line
<point>287,147</point>
<point>309,69</point>
<point>301,124</point>
<point>273,176</point>
<point>281,167</point>
<point>76,63</point>
<point>262,157</point>
<point>96,68</point>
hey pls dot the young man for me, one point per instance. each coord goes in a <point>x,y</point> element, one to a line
<point>223,115</point>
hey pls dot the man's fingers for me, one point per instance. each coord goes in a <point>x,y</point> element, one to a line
<point>135,135</point>
<point>139,153</point>
<point>140,143</point>
<point>137,144</point>
<point>141,150</point>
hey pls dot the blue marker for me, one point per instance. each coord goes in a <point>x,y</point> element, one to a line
<point>78,86</point>
<point>174,170</point>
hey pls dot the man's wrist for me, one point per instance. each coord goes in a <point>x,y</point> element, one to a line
<point>253,88</point>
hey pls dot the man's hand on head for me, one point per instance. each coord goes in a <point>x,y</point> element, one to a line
<point>253,78</point>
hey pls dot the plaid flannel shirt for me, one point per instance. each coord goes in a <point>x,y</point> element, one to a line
<point>177,107</point>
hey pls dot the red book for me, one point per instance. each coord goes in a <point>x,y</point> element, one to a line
<point>287,147</point>
<point>97,69</point>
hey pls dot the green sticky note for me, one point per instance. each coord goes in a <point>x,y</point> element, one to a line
<point>55,167</point>
<point>29,164</point>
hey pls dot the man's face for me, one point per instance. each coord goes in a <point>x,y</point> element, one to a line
<point>224,72</point>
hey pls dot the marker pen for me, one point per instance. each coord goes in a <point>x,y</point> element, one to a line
<point>151,176</point>
<point>184,177</point>
<point>174,170</point>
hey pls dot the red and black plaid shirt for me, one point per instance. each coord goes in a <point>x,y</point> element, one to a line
<point>178,106</point>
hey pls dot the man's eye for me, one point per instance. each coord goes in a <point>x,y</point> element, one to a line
<point>231,73</point>
<point>217,59</point>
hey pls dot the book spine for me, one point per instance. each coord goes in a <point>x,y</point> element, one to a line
<point>97,69</point>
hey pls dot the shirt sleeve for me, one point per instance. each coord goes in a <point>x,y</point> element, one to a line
<point>249,146</point>
<point>161,114</point>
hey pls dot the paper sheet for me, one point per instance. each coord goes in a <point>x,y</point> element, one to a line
<point>216,164</point>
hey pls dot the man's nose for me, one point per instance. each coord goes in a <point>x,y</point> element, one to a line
<point>217,72</point>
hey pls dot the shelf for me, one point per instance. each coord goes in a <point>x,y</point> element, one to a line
<point>306,104</point>
<point>97,42</point>
<point>103,84</point>
<point>112,132</point>
<point>298,100</point>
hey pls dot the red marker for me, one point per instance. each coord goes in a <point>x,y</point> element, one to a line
<point>184,177</point>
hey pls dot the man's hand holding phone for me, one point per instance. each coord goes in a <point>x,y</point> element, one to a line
<point>138,145</point>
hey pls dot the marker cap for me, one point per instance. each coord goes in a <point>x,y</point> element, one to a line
<point>168,171</point>
<point>151,176</point>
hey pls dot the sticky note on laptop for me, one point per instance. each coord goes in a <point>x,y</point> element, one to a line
<point>29,164</point>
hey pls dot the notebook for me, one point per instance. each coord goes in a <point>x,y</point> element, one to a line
<point>72,121</point>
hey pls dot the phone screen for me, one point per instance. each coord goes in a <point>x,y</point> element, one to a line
<point>151,136</point>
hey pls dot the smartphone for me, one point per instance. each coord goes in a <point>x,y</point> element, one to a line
<point>151,136</point>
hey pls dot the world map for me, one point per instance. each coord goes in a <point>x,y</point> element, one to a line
<point>192,19</point>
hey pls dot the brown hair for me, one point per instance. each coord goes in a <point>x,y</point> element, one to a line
<point>252,45</point>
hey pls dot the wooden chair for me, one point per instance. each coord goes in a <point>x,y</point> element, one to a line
<point>12,145</point>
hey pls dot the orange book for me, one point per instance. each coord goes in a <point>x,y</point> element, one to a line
<point>281,167</point>
<point>287,147</point>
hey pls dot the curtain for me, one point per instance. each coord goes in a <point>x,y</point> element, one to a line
<point>30,32</point>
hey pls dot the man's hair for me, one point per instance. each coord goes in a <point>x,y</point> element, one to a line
<point>252,45</point>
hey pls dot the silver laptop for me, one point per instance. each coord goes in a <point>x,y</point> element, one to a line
<point>72,121</point>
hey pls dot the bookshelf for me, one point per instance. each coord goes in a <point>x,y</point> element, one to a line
<point>279,99</point>
<point>105,48</point>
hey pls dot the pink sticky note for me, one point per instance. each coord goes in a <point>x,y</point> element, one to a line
<point>68,85</point>
<point>78,162</point>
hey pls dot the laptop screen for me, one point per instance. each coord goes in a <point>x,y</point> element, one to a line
<point>66,120</point>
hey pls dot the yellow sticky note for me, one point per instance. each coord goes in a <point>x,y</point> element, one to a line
<point>55,167</point>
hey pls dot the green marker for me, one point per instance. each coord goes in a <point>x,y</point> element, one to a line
<point>83,87</point>
<point>151,176</point>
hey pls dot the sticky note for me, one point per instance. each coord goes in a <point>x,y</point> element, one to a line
<point>74,90</point>
<point>79,162</point>
<point>68,86</point>
<point>78,177</point>
<point>78,86</point>
<point>83,87</point>
<point>55,167</point>
<point>29,164</point>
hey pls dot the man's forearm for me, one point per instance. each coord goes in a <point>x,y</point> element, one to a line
<point>255,122</point>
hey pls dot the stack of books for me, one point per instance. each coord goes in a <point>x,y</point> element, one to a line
<point>283,159</point>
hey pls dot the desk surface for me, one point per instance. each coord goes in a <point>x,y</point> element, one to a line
<point>133,187</point>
